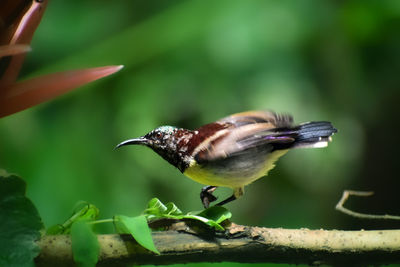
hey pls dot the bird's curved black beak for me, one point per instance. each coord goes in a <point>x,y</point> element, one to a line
<point>134,141</point>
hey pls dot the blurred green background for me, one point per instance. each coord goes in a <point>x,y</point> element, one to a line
<point>188,63</point>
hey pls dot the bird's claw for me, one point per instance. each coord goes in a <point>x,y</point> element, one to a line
<point>206,195</point>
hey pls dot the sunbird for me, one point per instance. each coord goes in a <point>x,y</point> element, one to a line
<point>233,151</point>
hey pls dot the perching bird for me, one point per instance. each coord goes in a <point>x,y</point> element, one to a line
<point>233,151</point>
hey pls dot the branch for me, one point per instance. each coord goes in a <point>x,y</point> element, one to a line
<point>345,196</point>
<point>181,244</point>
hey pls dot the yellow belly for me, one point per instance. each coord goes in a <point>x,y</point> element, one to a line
<point>204,175</point>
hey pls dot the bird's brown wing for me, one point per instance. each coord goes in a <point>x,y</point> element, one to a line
<point>251,117</point>
<point>240,140</point>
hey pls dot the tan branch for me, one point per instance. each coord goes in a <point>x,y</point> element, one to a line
<point>345,196</point>
<point>239,244</point>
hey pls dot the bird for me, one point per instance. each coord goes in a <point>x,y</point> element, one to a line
<point>233,151</point>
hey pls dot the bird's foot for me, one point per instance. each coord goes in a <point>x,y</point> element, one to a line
<point>206,195</point>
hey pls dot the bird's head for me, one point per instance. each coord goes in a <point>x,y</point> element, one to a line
<point>159,138</point>
<point>163,140</point>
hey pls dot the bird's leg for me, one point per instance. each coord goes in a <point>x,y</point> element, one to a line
<point>238,192</point>
<point>223,202</point>
<point>206,195</point>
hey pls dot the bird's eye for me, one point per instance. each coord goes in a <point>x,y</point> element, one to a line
<point>159,135</point>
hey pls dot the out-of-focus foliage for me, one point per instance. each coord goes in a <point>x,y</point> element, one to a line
<point>192,62</point>
<point>20,223</point>
<point>18,23</point>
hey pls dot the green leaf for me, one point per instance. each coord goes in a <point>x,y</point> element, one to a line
<point>83,211</point>
<point>20,223</point>
<point>85,246</point>
<point>172,209</point>
<point>155,208</point>
<point>216,213</point>
<point>138,228</point>
<point>212,216</point>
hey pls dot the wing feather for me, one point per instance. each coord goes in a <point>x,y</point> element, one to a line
<point>240,140</point>
<point>251,117</point>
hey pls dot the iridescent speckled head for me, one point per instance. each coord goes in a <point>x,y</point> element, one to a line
<point>164,141</point>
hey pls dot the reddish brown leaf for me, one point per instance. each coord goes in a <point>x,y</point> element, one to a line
<point>9,50</point>
<point>11,12</point>
<point>20,19</point>
<point>25,94</point>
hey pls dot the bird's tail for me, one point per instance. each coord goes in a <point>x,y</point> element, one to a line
<point>313,134</point>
